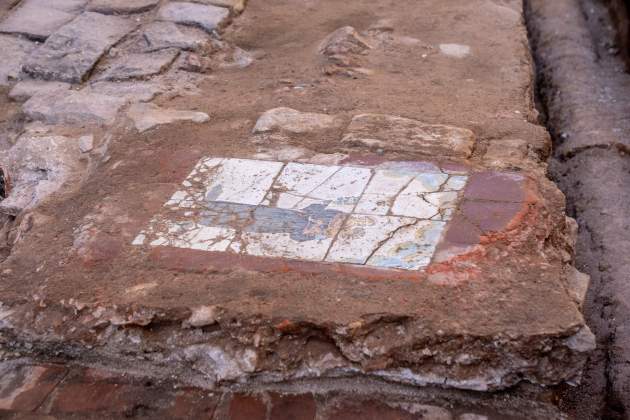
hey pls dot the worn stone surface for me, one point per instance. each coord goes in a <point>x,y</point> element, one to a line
<point>16,50</point>
<point>388,132</point>
<point>71,52</point>
<point>138,66</point>
<point>147,116</point>
<point>38,167</point>
<point>161,35</point>
<point>73,107</point>
<point>293,121</point>
<point>35,19</point>
<point>206,17</point>
<point>23,90</point>
<point>111,7</point>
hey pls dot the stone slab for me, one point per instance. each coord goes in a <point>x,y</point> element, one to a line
<point>15,51</point>
<point>35,19</point>
<point>73,107</point>
<point>162,35</point>
<point>121,7</point>
<point>392,133</point>
<point>138,66</point>
<point>71,52</point>
<point>290,120</point>
<point>206,17</point>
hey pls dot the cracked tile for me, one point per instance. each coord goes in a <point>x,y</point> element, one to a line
<point>387,217</point>
<point>362,235</point>
<point>411,248</point>
<point>381,191</point>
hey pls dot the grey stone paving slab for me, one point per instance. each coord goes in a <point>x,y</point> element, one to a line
<point>35,19</point>
<point>70,6</point>
<point>131,91</point>
<point>111,7</point>
<point>138,66</point>
<point>23,90</point>
<point>14,51</point>
<point>161,35</point>
<point>71,52</point>
<point>204,16</point>
<point>73,107</point>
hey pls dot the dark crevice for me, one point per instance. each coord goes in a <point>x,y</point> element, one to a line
<point>563,33</point>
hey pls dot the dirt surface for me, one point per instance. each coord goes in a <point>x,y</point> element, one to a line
<point>505,311</point>
<point>585,92</point>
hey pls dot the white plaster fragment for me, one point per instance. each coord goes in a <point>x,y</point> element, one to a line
<point>455,50</point>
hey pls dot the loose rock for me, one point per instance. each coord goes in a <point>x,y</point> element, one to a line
<point>71,52</point>
<point>202,316</point>
<point>111,7</point>
<point>86,143</point>
<point>73,107</point>
<point>147,116</point>
<point>162,35</point>
<point>293,121</point>
<point>343,41</point>
<point>204,16</point>
<point>398,134</point>
<point>14,51</point>
<point>137,66</point>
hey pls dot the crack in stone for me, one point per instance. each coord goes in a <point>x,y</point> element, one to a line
<point>388,238</point>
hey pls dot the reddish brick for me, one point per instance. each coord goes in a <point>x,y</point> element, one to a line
<point>94,397</point>
<point>495,186</point>
<point>373,410</point>
<point>490,216</point>
<point>190,403</point>
<point>25,388</point>
<point>462,232</point>
<point>293,407</point>
<point>247,407</point>
<point>370,410</point>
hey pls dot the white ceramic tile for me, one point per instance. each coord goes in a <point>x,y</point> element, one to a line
<point>241,181</point>
<point>411,248</point>
<point>194,236</point>
<point>380,192</point>
<point>343,189</point>
<point>362,235</point>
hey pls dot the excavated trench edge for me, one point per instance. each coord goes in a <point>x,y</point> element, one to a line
<point>548,44</point>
